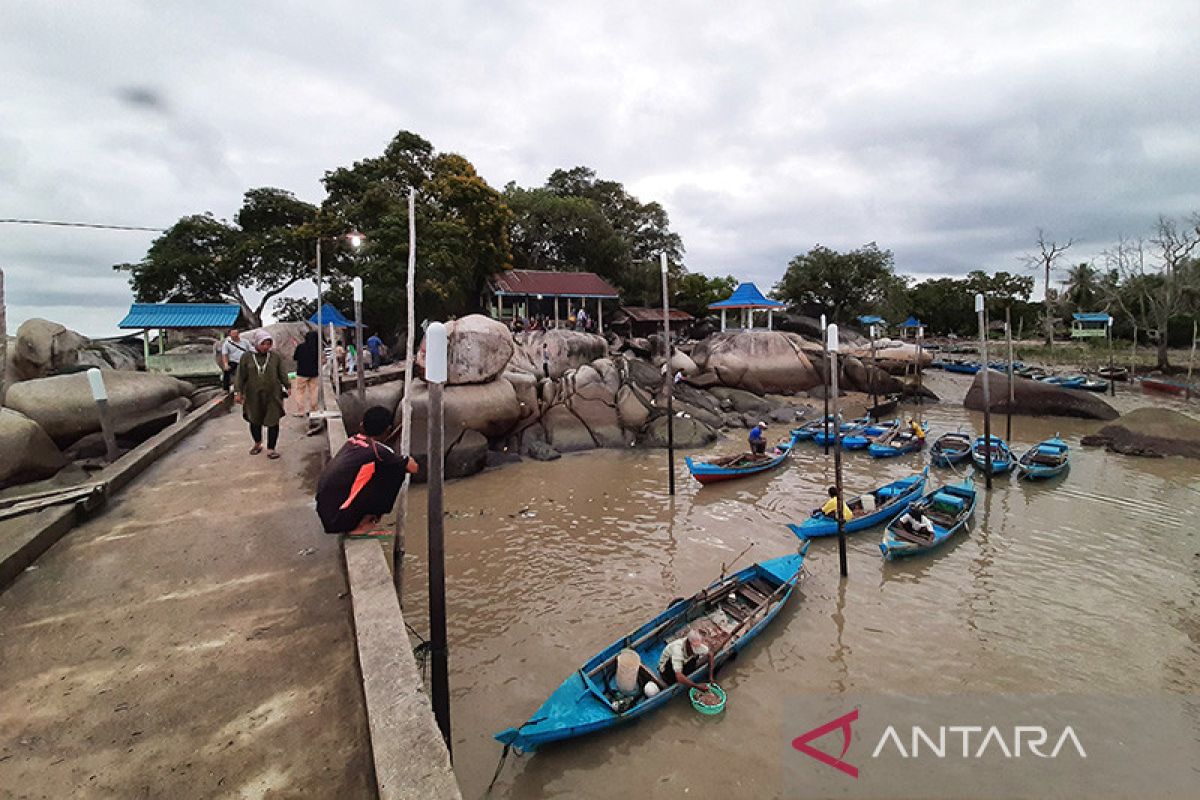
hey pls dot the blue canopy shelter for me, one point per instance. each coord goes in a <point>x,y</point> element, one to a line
<point>1089,324</point>
<point>331,316</point>
<point>912,327</point>
<point>178,316</point>
<point>748,299</point>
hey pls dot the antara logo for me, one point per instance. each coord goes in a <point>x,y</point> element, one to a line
<point>977,742</point>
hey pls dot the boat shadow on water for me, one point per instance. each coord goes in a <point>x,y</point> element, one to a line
<point>915,568</point>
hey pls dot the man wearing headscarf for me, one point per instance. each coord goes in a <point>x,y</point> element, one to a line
<point>260,387</point>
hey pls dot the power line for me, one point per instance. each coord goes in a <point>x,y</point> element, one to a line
<point>55,223</point>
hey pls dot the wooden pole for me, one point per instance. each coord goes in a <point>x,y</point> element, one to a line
<point>987,397</point>
<point>1133,354</point>
<point>917,366</point>
<point>406,401</point>
<point>670,375</point>
<point>825,386</point>
<point>321,360</point>
<point>1112,378</point>
<point>874,395</point>
<point>1011,387</point>
<point>435,374</point>
<point>831,348</point>
<point>1191,355</point>
<point>3,339</point>
<point>358,345</point>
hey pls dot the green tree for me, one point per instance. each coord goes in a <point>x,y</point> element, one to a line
<point>695,292</point>
<point>845,285</point>
<point>1081,289</point>
<point>201,259</point>
<point>945,305</point>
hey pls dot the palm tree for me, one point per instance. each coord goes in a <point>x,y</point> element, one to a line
<point>1081,289</point>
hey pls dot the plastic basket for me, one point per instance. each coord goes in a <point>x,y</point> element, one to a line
<point>694,696</point>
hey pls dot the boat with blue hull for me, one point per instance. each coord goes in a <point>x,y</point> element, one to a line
<point>1045,459</point>
<point>870,509</point>
<point>950,449</point>
<point>902,443</point>
<point>1065,381</point>
<point>729,614</point>
<point>1001,456</point>
<point>962,369</point>
<point>809,429</point>
<point>948,508</point>
<point>861,439</point>
<point>848,428</point>
<point>739,466</point>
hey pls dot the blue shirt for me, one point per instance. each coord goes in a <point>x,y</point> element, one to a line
<point>756,434</point>
<point>373,344</point>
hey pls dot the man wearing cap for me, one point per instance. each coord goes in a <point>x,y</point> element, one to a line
<point>758,442</point>
<point>232,350</point>
<point>683,655</point>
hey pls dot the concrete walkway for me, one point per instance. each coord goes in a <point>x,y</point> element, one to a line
<point>193,640</point>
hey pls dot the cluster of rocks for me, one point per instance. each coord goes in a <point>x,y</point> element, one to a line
<point>1150,432</point>
<point>544,393</point>
<point>47,416</point>
<point>1037,398</point>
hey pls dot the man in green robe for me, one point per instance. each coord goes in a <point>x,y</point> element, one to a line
<point>260,387</point>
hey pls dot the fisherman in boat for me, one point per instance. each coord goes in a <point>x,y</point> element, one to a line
<point>916,428</point>
<point>832,503</point>
<point>682,656</point>
<point>758,442</point>
<point>914,521</point>
<point>359,484</point>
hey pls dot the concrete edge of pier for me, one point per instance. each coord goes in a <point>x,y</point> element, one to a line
<point>411,760</point>
<point>48,526</point>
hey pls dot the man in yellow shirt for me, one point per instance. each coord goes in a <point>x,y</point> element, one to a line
<point>832,503</point>
<point>917,429</point>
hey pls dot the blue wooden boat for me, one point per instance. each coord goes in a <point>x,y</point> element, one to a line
<point>969,368</point>
<point>950,449</point>
<point>899,443</point>
<point>948,508</point>
<point>1045,459</point>
<point>1096,385</point>
<point>740,465</point>
<point>886,502</point>
<point>810,429</point>
<point>1001,456</point>
<point>849,427</point>
<point>1065,381</point>
<point>729,613</point>
<point>860,439</point>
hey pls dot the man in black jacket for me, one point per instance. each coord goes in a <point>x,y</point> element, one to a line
<point>359,485</point>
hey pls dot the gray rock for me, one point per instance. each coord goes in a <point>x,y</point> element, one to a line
<point>1036,398</point>
<point>759,361</point>
<point>478,350</point>
<point>689,433</point>
<point>567,350</point>
<point>541,451</point>
<point>387,395</point>
<point>644,374</point>
<point>1153,432</point>
<point>26,452</point>
<point>633,407</point>
<point>741,400</point>
<point>566,432</point>
<point>44,347</point>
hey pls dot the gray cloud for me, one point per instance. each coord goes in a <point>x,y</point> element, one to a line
<point>948,133</point>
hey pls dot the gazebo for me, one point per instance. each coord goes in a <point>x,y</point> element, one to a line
<point>532,292</point>
<point>867,320</point>
<point>178,316</point>
<point>331,316</point>
<point>1089,324</point>
<point>747,298</point>
<point>912,327</point>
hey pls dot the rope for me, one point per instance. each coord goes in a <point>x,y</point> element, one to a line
<point>499,766</point>
<point>12,221</point>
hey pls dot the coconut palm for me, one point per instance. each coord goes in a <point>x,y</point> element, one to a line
<point>1081,289</point>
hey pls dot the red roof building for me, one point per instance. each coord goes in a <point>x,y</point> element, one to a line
<point>556,296</point>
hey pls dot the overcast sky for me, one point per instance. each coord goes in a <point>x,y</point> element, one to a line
<point>946,132</point>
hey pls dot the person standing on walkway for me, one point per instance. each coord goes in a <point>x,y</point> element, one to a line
<point>375,345</point>
<point>360,484</point>
<point>304,388</point>
<point>232,350</point>
<point>261,385</point>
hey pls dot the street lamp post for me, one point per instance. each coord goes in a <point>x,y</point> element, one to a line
<point>358,342</point>
<point>987,398</point>
<point>355,239</point>
<point>436,372</point>
<point>825,419</point>
<point>670,382</point>
<point>831,349</point>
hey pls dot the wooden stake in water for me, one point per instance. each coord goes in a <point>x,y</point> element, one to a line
<point>1011,386</point>
<point>1133,354</point>
<point>874,395</point>
<point>1192,355</point>
<point>670,375</point>
<point>435,375</point>
<point>831,349</point>
<point>825,386</point>
<point>987,396</point>
<point>1112,377</point>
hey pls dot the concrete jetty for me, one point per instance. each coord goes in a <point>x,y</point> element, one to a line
<point>192,640</point>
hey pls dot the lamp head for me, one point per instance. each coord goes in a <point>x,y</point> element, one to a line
<point>358,289</point>
<point>978,303</point>
<point>831,338</point>
<point>436,346</point>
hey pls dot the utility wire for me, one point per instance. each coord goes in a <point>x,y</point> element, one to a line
<point>80,225</point>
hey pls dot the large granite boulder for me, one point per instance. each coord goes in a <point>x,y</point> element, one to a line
<point>633,407</point>
<point>387,395</point>
<point>566,349</point>
<point>44,347</point>
<point>758,361</point>
<point>740,400</point>
<point>689,433</point>
<point>525,386</point>
<point>1153,432</point>
<point>62,404</point>
<point>478,349</point>
<point>26,452</point>
<point>490,408</point>
<point>1035,398</point>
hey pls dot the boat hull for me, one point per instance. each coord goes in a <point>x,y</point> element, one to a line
<point>819,525</point>
<point>893,547</point>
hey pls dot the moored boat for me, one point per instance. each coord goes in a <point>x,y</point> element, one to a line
<point>1166,387</point>
<point>1065,381</point>
<point>847,428</point>
<point>1045,459</point>
<point>901,442</point>
<point>1113,373</point>
<point>998,452</point>
<point>810,429</point>
<point>870,509</point>
<point>1094,385</point>
<point>948,508</point>
<point>728,614</point>
<point>740,465</point>
<point>969,368</point>
<point>950,449</point>
<point>860,439</point>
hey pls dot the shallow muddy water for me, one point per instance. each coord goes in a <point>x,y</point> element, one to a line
<point>1086,583</point>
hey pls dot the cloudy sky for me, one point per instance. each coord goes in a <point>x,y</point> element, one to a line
<point>947,132</point>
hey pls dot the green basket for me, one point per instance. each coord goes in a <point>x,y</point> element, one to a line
<point>694,696</point>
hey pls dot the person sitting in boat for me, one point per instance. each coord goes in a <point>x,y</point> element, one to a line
<point>758,441</point>
<point>916,428</point>
<point>914,521</point>
<point>832,503</point>
<point>682,656</point>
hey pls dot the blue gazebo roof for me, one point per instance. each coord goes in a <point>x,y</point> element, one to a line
<point>746,295</point>
<point>912,322</point>
<point>331,316</point>
<point>871,319</point>
<point>180,315</point>
<point>1092,316</point>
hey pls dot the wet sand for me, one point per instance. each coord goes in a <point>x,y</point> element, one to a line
<point>1084,584</point>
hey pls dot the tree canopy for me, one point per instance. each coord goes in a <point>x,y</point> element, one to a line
<point>842,285</point>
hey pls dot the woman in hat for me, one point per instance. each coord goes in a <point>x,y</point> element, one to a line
<point>261,386</point>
